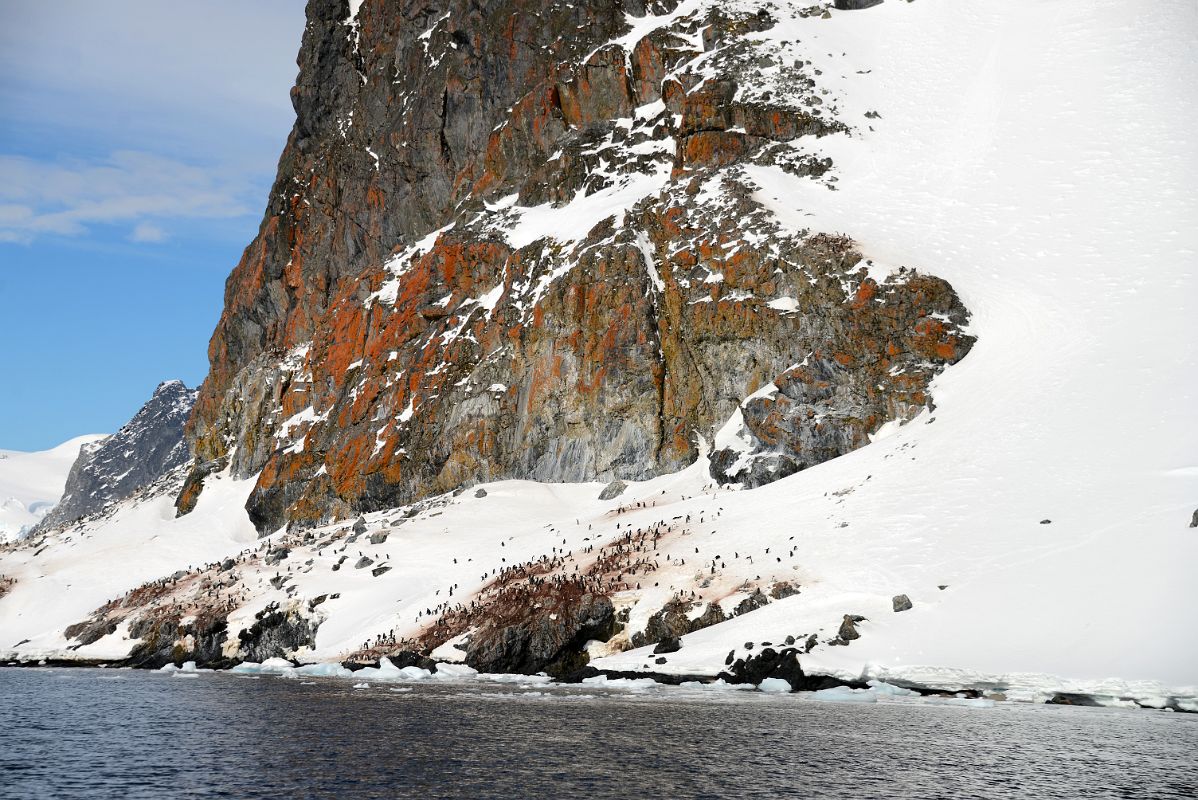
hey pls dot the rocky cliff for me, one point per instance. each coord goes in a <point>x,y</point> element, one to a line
<point>527,239</point>
<point>147,447</point>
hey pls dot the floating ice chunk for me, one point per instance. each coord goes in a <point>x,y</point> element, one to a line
<point>883,689</point>
<point>324,671</point>
<point>416,673</point>
<point>969,702</point>
<point>843,694</point>
<point>362,685</point>
<point>246,668</point>
<point>168,668</point>
<point>501,677</point>
<point>622,683</point>
<point>271,666</point>
<point>455,672</point>
<point>774,686</point>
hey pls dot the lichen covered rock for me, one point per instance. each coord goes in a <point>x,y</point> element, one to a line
<point>510,242</point>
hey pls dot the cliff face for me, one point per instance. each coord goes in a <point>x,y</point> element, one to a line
<point>528,240</point>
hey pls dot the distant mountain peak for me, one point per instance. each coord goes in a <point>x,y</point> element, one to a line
<point>145,448</point>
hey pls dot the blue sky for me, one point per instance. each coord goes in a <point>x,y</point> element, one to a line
<point>138,141</point>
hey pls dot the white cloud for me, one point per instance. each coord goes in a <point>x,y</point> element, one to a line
<point>68,198</point>
<point>215,74</point>
<point>135,113</point>
<point>147,232</point>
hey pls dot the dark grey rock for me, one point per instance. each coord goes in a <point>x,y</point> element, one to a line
<point>363,562</point>
<point>147,447</point>
<point>671,645</point>
<point>613,490</point>
<point>377,571</point>
<point>848,628</point>
<point>360,525</point>
<point>673,620</point>
<point>751,603</point>
<point>480,492</point>
<point>854,5</point>
<point>901,602</point>
<point>1194,519</point>
<point>551,638</point>
<point>785,665</point>
<point>276,634</point>
<point>378,537</point>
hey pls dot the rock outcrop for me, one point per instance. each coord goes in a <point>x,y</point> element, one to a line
<point>518,241</point>
<point>147,447</point>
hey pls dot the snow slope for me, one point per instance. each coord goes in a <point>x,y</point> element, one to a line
<point>31,483</point>
<point>1038,156</point>
<point>81,569</point>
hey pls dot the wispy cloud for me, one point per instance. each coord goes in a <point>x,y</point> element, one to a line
<point>69,198</point>
<point>147,232</point>
<point>125,119</point>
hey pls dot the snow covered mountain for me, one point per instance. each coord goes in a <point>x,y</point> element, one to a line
<point>147,447</point>
<point>31,483</point>
<point>695,338</point>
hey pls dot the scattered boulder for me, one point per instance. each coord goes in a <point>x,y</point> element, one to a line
<point>1045,522</point>
<point>901,603</point>
<point>673,620</point>
<point>378,537</point>
<point>377,571</point>
<point>780,666</point>
<point>360,525</point>
<point>671,644</point>
<point>855,5</point>
<point>613,490</point>
<point>848,628</point>
<point>751,603</point>
<point>480,492</point>
<point>364,561</point>
<point>276,634</point>
<point>783,589</point>
<point>1194,519</point>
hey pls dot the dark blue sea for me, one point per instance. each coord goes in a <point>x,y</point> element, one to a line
<point>83,733</point>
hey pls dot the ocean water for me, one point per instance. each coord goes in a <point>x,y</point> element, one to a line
<point>67,733</point>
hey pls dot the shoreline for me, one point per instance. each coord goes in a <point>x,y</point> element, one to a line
<point>830,687</point>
